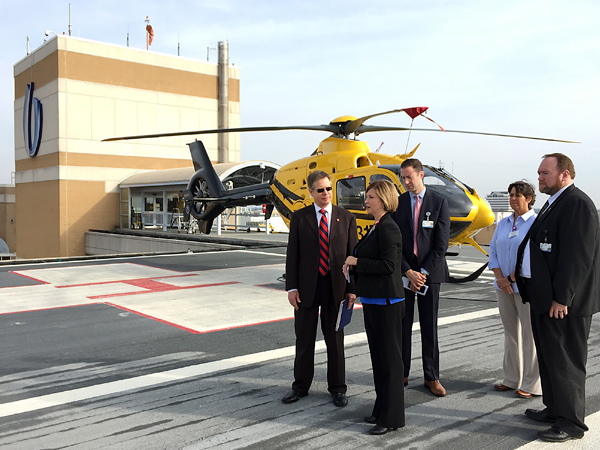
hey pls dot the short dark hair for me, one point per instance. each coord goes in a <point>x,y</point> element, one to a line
<point>525,189</point>
<point>387,192</point>
<point>316,176</point>
<point>563,163</point>
<point>412,162</point>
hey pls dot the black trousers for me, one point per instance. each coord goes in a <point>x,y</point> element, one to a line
<point>428,305</point>
<point>383,325</point>
<point>305,325</point>
<point>561,346</point>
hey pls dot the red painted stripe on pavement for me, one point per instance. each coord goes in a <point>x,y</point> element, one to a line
<point>149,291</point>
<point>151,285</point>
<point>147,316</point>
<point>125,281</point>
<point>356,306</point>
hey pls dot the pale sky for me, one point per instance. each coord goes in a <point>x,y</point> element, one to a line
<point>526,67</point>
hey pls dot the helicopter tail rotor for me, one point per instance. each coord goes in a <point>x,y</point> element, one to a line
<point>206,197</point>
<point>204,184</point>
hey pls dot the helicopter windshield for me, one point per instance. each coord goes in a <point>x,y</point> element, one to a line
<point>451,189</point>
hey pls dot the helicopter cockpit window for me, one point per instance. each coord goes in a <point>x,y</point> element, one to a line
<point>458,202</point>
<point>351,193</point>
<point>448,187</point>
<point>380,176</point>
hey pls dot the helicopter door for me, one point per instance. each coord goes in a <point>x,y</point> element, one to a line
<point>350,193</point>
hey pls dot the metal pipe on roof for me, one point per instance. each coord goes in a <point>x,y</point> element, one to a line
<point>223,93</point>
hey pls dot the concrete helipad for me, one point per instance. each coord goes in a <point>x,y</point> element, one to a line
<point>195,351</point>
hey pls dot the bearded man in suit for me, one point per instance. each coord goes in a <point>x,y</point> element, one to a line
<point>424,220</point>
<point>558,274</point>
<point>321,236</point>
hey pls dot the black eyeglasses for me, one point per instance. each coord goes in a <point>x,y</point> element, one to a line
<point>321,190</point>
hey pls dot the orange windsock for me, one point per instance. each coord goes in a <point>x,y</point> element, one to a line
<point>150,33</point>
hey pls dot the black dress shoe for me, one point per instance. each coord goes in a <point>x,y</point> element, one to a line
<point>340,399</point>
<point>292,397</point>
<point>553,434</point>
<point>370,419</point>
<point>377,430</point>
<point>541,415</point>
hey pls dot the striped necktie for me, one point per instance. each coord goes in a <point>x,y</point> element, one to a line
<point>323,244</point>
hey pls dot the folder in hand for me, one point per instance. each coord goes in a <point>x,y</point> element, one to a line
<point>344,315</point>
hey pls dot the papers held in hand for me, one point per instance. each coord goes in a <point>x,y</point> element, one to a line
<point>344,315</point>
<point>406,284</point>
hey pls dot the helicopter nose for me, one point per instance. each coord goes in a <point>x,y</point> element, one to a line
<point>484,217</point>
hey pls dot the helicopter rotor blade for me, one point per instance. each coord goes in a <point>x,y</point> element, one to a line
<point>355,124</point>
<point>371,128</point>
<point>329,127</point>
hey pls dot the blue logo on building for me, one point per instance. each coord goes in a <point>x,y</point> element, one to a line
<point>32,106</point>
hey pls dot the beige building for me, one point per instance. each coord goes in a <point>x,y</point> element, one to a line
<point>90,91</point>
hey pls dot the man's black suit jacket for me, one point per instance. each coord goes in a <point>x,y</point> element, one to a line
<point>379,267</point>
<point>432,242</point>
<point>302,262</point>
<point>570,273</point>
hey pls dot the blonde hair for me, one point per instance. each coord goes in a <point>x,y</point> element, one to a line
<point>387,192</point>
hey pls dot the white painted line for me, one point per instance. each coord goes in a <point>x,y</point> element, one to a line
<point>262,253</point>
<point>169,376</point>
<point>118,258</point>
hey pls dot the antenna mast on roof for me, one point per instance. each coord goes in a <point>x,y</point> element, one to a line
<point>70,19</point>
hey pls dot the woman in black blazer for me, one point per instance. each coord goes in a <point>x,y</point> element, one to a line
<point>377,266</point>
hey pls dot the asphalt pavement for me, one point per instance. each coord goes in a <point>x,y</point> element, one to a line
<point>195,351</point>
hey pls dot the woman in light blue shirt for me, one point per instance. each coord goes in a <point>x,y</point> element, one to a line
<point>521,371</point>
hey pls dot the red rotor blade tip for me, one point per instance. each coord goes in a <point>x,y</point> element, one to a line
<point>415,112</point>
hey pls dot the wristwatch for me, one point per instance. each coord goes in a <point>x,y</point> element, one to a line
<point>509,279</point>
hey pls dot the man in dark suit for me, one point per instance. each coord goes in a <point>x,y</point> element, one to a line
<point>322,235</point>
<point>424,221</point>
<point>558,274</point>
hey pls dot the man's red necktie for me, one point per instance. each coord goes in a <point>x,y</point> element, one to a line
<point>323,244</point>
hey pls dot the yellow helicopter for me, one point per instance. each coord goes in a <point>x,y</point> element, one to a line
<point>351,165</point>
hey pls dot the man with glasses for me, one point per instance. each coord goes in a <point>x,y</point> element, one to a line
<point>321,236</point>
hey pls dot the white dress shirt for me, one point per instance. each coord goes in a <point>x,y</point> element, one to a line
<point>526,264</point>
<point>328,208</point>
